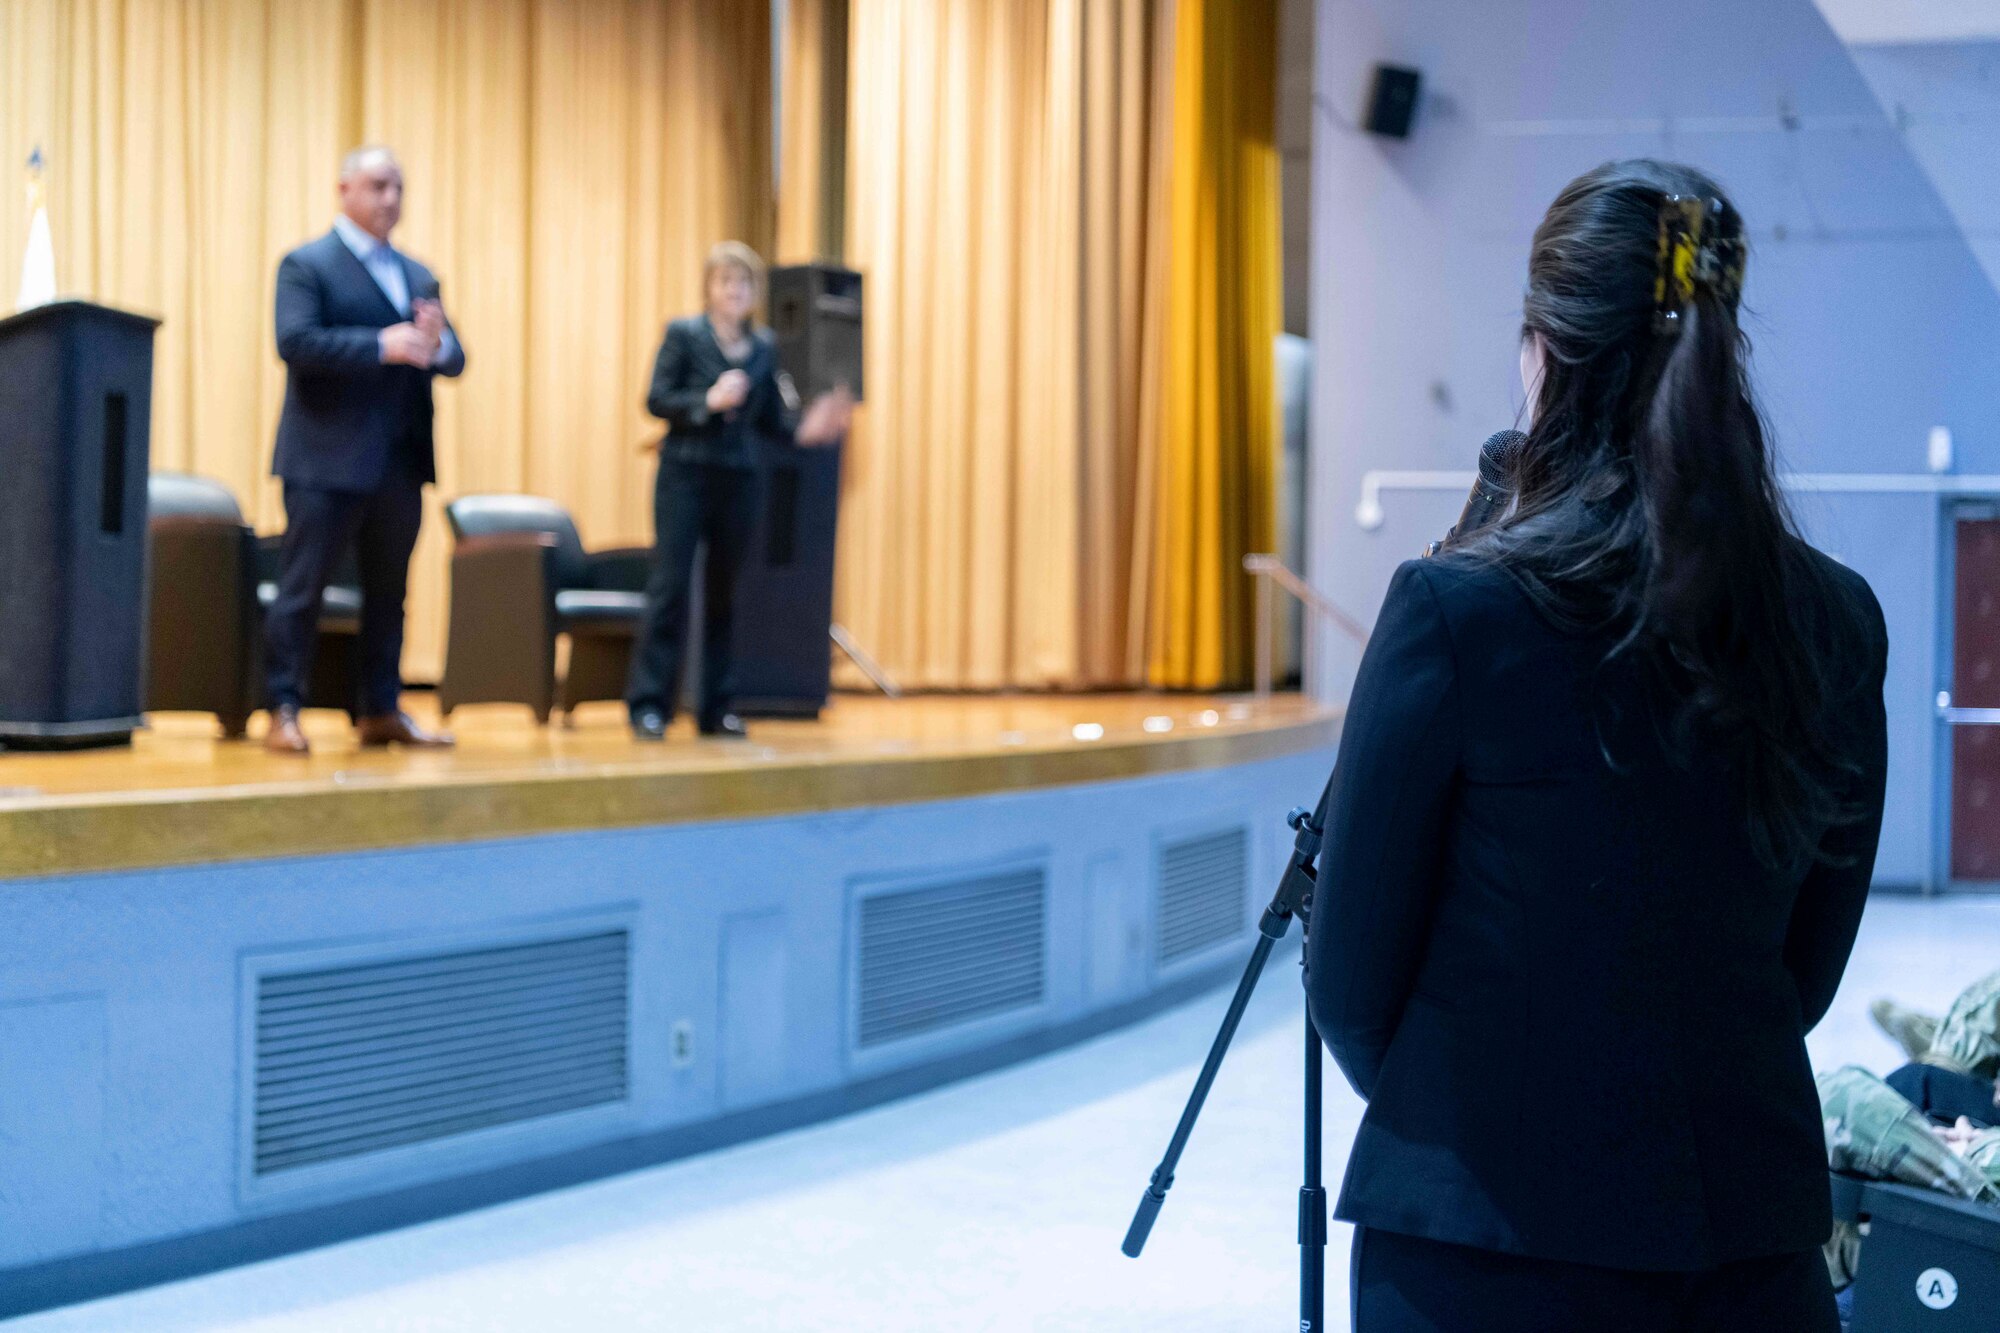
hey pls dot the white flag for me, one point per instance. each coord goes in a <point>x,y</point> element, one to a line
<point>38,265</point>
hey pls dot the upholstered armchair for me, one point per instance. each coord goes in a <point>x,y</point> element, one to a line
<point>210,578</point>
<point>520,580</point>
<point>202,640</point>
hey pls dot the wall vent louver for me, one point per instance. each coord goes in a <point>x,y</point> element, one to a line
<point>361,1058</point>
<point>1204,887</point>
<point>940,955</point>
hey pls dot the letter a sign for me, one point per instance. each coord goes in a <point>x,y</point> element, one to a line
<point>1937,1288</point>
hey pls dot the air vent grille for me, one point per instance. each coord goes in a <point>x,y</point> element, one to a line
<point>934,957</point>
<point>1204,887</point>
<point>357,1059</point>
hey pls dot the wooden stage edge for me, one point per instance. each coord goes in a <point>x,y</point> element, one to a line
<point>180,797</point>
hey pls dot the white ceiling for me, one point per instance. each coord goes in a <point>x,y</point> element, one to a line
<point>1867,22</point>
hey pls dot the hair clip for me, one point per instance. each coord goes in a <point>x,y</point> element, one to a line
<point>1700,247</point>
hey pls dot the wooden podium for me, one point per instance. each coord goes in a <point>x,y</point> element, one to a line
<point>76,398</point>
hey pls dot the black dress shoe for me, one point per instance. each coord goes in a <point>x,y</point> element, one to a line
<point>285,736</point>
<point>728,725</point>
<point>399,728</point>
<point>649,724</point>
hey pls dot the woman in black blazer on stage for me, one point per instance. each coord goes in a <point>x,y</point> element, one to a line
<point>717,385</point>
<point>1605,814</point>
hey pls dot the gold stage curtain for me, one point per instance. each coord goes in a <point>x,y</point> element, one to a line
<point>1067,212</point>
<point>812,131</point>
<point>997,163</point>
<point>568,163</point>
<point>1211,496</point>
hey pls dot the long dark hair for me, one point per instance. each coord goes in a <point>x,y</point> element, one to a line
<point>1648,504</point>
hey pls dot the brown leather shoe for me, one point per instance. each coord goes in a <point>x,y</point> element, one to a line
<point>285,736</point>
<point>399,728</point>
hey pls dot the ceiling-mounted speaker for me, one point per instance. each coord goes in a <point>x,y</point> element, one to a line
<point>1392,101</point>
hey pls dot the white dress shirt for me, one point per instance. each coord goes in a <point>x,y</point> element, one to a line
<point>386,267</point>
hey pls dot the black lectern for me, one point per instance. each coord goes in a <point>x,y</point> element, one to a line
<point>76,397</point>
<point>784,600</point>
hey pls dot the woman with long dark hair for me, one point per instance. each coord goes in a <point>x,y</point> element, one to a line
<point>1605,815</point>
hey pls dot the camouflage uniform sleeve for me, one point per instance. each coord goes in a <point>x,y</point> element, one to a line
<point>1968,1040</point>
<point>1873,1131</point>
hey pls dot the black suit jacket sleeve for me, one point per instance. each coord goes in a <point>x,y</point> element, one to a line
<point>776,419</point>
<point>424,287</point>
<point>1380,867</point>
<point>1827,912</point>
<point>305,340</point>
<point>673,398</point>
<point>454,365</point>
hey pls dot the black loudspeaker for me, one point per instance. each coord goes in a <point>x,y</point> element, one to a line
<point>1392,101</point>
<point>816,319</point>
<point>76,405</point>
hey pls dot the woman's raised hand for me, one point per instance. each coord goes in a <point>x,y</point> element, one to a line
<point>827,417</point>
<point>728,392</point>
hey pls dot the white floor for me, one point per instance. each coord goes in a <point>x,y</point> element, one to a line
<point>996,1204</point>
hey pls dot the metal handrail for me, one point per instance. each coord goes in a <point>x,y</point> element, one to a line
<point>1270,572</point>
<point>1369,515</point>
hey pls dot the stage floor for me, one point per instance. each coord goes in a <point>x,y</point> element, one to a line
<point>179,795</point>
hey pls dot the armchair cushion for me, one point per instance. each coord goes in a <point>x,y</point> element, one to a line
<point>620,568</point>
<point>491,515</point>
<point>584,609</point>
<point>184,495</point>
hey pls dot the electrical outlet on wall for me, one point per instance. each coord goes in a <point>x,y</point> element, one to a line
<point>680,1043</point>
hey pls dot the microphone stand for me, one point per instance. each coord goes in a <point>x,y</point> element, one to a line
<point>1492,492</point>
<point>1293,899</point>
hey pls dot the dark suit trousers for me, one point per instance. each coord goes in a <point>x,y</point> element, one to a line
<point>382,526</point>
<point>694,505</point>
<point>1404,1284</point>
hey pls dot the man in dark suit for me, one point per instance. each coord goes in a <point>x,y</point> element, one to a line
<point>362,331</point>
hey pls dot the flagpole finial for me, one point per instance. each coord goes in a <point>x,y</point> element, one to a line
<point>38,265</point>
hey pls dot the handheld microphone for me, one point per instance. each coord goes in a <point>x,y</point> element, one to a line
<point>1492,489</point>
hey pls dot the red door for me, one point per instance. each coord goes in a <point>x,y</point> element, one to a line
<point>1975,703</point>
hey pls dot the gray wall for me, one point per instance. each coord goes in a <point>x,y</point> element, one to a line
<point>1945,96</point>
<point>1294,128</point>
<point>1872,318</point>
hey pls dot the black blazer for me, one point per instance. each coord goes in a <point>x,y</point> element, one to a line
<point>346,414</point>
<point>1574,1000</point>
<point>688,365</point>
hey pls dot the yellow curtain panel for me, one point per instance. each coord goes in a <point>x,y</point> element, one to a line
<point>568,163</point>
<point>1211,493</point>
<point>812,131</point>
<point>999,162</point>
<point>1068,217</point>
